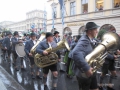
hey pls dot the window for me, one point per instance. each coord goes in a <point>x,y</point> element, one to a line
<point>82,31</point>
<point>72,8</point>
<point>84,6</point>
<point>67,31</point>
<point>99,5</point>
<point>116,3</point>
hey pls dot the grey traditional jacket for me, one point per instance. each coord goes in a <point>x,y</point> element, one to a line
<point>44,45</point>
<point>14,42</point>
<point>81,50</point>
<point>6,43</point>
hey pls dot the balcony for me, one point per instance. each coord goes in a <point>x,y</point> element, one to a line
<point>88,16</point>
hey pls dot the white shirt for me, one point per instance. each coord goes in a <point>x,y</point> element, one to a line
<point>57,38</point>
<point>49,45</point>
<point>34,42</point>
<point>92,40</point>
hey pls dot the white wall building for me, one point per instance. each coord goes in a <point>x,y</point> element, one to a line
<point>35,17</point>
<point>105,13</point>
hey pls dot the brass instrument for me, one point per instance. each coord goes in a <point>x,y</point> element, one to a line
<point>52,58</point>
<point>110,41</point>
<point>33,50</point>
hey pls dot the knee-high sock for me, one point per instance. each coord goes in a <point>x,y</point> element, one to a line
<point>44,80</point>
<point>55,80</point>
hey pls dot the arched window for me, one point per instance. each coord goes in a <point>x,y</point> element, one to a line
<point>106,28</point>
<point>81,30</point>
<point>67,31</point>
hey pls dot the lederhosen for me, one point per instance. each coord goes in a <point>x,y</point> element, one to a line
<point>51,67</point>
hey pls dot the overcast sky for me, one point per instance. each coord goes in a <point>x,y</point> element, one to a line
<point>15,10</point>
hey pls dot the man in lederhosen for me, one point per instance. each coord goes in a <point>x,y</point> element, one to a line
<point>41,49</point>
<point>29,44</point>
<point>57,39</point>
<point>7,44</point>
<point>15,40</point>
<point>85,46</point>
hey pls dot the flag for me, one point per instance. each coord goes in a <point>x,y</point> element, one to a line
<point>62,8</point>
<point>53,16</point>
<point>61,3</point>
<point>33,26</point>
<point>44,22</point>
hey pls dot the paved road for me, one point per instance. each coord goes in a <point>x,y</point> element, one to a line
<point>23,77</point>
<point>21,80</point>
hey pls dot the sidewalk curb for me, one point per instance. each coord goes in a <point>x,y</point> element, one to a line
<point>2,86</point>
<point>11,83</point>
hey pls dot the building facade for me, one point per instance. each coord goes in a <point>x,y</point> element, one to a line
<point>34,21</point>
<point>105,13</point>
<point>4,24</point>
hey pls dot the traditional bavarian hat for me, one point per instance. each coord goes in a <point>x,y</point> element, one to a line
<point>91,26</point>
<point>56,32</point>
<point>49,34</point>
<point>16,33</point>
<point>32,34</point>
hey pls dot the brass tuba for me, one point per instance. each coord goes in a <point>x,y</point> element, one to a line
<point>33,50</point>
<point>110,41</point>
<point>52,58</point>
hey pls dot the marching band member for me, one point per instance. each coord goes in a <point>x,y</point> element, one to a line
<point>7,44</point>
<point>56,36</point>
<point>109,64</point>
<point>29,44</point>
<point>70,61</point>
<point>27,37</point>
<point>57,39</point>
<point>15,41</point>
<point>49,42</point>
<point>84,46</point>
